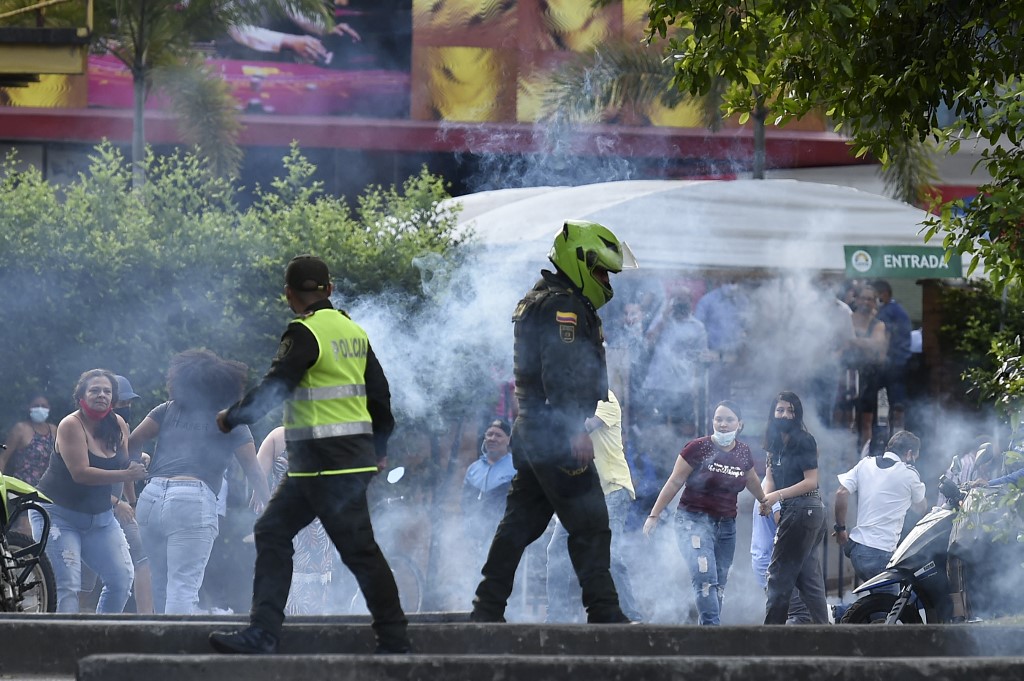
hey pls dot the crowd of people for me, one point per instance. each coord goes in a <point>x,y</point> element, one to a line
<point>845,345</point>
<point>149,500</point>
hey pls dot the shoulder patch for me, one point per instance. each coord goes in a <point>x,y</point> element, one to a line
<point>566,325</point>
<point>565,317</point>
<point>283,349</point>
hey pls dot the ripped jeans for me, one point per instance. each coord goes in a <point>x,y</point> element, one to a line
<point>95,540</point>
<point>708,545</point>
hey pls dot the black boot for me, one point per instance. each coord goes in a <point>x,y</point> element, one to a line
<point>249,641</point>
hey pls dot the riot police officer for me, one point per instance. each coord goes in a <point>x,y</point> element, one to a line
<point>560,376</point>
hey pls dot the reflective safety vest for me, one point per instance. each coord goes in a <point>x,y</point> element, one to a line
<point>330,400</point>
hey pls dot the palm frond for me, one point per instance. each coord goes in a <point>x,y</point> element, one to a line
<point>711,105</point>
<point>612,76</point>
<point>207,113</point>
<point>910,170</point>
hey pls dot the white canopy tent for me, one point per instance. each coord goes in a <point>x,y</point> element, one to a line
<point>679,225</point>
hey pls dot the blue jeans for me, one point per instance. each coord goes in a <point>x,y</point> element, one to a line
<point>178,520</point>
<point>95,540</point>
<point>563,587</point>
<point>867,561</point>
<point>708,545</point>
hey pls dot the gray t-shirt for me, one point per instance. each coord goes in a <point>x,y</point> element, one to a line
<point>190,443</point>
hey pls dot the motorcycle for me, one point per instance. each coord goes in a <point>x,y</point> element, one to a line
<point>26,577</point>
<point>917,568</point>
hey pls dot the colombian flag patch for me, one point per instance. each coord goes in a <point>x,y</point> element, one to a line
<point>565,317</point>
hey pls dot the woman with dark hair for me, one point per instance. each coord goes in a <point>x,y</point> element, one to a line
<point>714,470</point>
<point>30,442</point>
<point>865,353</point>
<point>87,469</point>
<point>791,479</point>
<point>177,511</point>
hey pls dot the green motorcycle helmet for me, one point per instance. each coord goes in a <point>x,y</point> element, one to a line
<point>580,248</point>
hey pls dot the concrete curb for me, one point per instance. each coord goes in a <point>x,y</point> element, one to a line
<point>36,645</point>
<point>532,668</point>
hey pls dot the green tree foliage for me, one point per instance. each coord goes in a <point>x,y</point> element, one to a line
<point>890,72</point>
<point>95,274</point>
<point>980,340</point>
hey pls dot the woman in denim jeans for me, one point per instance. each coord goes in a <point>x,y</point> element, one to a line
<point>89,459</point>
<point>714,470</point>
<point>177,511</point>
<point>792,480</point>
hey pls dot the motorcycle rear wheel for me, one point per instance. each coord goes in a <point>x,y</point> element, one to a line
<point>42,597</point>
<point>874,608</point>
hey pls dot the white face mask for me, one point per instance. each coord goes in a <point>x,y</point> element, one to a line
<point>723,439</point>
<point>38,414</point>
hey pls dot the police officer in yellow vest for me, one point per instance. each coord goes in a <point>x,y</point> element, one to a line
<point>337,423</point>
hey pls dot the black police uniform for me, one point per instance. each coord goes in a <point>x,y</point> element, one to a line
<point>560,376</point>
<point>339,501</point>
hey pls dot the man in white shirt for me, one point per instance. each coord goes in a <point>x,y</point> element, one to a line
<point>886,486</point>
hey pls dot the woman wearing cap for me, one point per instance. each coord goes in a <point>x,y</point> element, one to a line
<point>177,511</point>
<point>90,456</point>
<point>485,486</point>
<point>792,480</point>
<point>714,470</point>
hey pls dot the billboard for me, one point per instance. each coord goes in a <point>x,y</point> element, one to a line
<point>465,61</point>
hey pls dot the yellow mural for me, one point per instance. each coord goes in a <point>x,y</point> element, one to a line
<point>465,83</point>
<point>52,92</point>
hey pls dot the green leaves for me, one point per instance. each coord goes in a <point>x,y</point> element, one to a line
<point>96,274</point>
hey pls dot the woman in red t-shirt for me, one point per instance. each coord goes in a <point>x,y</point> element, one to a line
<point>713,469</point>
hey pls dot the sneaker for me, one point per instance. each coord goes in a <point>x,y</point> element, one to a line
<point>249,641</point>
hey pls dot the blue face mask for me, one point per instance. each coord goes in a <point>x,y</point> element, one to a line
<point>38,414</point>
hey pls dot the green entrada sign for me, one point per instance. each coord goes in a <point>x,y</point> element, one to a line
<point>915,262</point>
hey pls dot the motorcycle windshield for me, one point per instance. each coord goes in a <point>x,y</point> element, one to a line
<point>920,541</point>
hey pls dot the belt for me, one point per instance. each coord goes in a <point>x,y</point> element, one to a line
<point>343,471</point>
<point>812,493</point>
<point>168,482</point>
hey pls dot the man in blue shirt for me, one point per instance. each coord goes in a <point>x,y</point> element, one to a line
<point>897,330</point>
<point>485,487</point>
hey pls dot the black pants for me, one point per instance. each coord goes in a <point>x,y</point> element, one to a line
<point>339,501</point>
<point>796,561</point>
<point>537,491</point>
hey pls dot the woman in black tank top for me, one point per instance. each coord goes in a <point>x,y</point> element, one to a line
<point>85,477</point>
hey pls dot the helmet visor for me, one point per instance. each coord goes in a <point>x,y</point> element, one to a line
<point>628,259</point>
